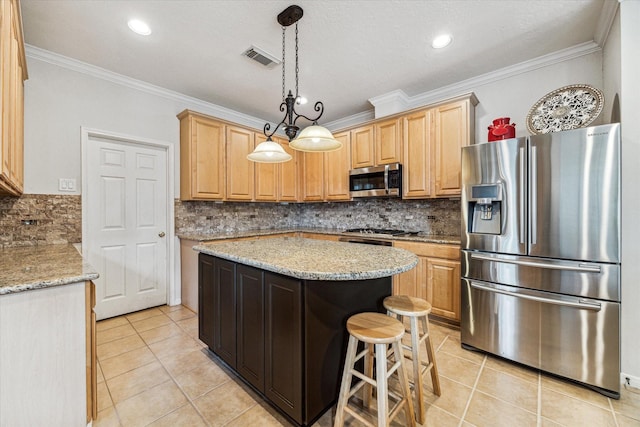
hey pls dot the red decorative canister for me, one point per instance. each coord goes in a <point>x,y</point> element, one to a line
<point>502,129</point>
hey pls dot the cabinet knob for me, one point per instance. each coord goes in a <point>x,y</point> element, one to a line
<point>161,234</point>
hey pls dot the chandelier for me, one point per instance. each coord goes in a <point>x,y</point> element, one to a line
<point>313,138</point>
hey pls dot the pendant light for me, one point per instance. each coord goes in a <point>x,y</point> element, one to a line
<point>314,138</point>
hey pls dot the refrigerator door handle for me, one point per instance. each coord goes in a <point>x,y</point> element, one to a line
<point>533,196</point>
<point>582,268</point>
<point>522,196</point>
<point>581,304</point>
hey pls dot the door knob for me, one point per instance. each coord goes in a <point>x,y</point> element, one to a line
<point>161,234</point>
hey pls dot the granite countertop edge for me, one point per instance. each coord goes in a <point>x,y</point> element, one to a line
<point>213,236</point>
<point>310,274</point>
<point>67,280</point>
<point>26,268</point>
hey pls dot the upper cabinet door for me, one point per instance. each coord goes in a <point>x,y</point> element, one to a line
<point>336,170</point>
<point>362,147</point>
<point>452,133</point>
<point>13,72</point>
<point>240,170</point>
<point>417,155</point>
<point>312,172</point>
<point>266,176</point>
<point>388,137</point>
<point>202,158</point>
<point>288,176</point>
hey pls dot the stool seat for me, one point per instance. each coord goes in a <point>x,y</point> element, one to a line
<point>406,305</point>
<point>375,328</point>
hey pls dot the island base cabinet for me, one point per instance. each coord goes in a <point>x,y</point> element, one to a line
<point>205,299</point>
<point>285,337</point>
<point>225,311</point>
<point>283,340</point>
<point>250,328</point>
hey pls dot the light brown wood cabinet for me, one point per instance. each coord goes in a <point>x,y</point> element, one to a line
<point>433,139</point>
<point>362,147</point>
<point>336,170</point>
<point>277,182</point>
<point>240,142</point>
<point>377,144</point>
<point>320,236</point>
<point>325,176</point>
<point>454,129</point>
<point>416,180</point>
<point>388,137</point>
<point>288,177</point>
<point>202,157</point>
<point>13,73</point>
<point>436,278</point>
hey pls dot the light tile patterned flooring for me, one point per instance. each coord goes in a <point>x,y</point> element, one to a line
<point>153,371</point>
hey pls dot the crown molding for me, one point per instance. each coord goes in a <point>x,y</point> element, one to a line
<point>605,22</point>
<point>218,111</point>
<point>469,85</point>
<point>350,121</point>
<point>390,103</point>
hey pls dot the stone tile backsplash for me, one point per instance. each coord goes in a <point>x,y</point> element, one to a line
<point>57,219</point>
<point>436,216</point>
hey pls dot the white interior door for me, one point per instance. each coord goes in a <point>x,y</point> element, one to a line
<point>126,224</point>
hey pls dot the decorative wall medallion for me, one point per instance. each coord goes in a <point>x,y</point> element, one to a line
<point>569,107</point>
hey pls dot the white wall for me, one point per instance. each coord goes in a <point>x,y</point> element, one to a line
<point>59,101</point>
<point>630,106</point>
<point>514,96</point>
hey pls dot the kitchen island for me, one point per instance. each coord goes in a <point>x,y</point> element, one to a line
<point>275,311</point>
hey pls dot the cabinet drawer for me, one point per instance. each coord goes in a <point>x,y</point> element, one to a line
<point>432,250</point>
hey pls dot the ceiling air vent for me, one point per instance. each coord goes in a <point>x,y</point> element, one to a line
<point>261,56</point>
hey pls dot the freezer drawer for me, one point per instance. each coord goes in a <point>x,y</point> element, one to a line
<point>573,337</point>
<point>585,279</point>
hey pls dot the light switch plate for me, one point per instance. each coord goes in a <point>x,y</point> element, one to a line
<point>67,184</point>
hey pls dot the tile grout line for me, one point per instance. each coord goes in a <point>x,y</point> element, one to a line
<point>163,367</point>
<point>175,382</point>
<point>615,418</point>
<point>473,389</point>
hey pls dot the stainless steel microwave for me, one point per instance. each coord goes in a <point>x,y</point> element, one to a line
<point>376,181</point>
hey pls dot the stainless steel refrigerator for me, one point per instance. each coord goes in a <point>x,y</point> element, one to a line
<point>540,266</point>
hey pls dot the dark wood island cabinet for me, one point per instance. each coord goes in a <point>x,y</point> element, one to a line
<point>283,335</point>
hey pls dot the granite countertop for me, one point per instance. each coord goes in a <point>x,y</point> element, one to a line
<point>425,238</point>
<point>36,267</point>
<point>311,259</point>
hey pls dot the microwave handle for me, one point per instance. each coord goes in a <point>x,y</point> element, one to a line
<point>386,179</point>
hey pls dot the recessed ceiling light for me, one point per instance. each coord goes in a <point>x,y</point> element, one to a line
<point>301,100</point>
<point>139,27</point>
<point>441,41</point>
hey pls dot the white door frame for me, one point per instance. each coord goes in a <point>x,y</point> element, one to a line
<point>173,288</point>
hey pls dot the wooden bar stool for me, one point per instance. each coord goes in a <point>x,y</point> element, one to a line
<point>378,331</point>
<point>416,309</point>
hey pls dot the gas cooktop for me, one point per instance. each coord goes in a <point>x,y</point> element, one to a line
<point>388,232</point>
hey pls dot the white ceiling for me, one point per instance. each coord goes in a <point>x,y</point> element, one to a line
<point>350,51</point>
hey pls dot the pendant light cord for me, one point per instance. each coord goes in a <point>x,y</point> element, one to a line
<point>283,61</point>
<point>297,62</point>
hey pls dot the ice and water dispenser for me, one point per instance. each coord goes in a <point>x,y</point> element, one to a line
<point>485,206</point>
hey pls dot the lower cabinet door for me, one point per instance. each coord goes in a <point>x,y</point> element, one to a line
<point>205,299</point>
<point>250,297</point>
<point>224,310</point>
<point>283,344</point>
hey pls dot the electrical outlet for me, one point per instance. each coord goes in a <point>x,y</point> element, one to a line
<point>67,184</point>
